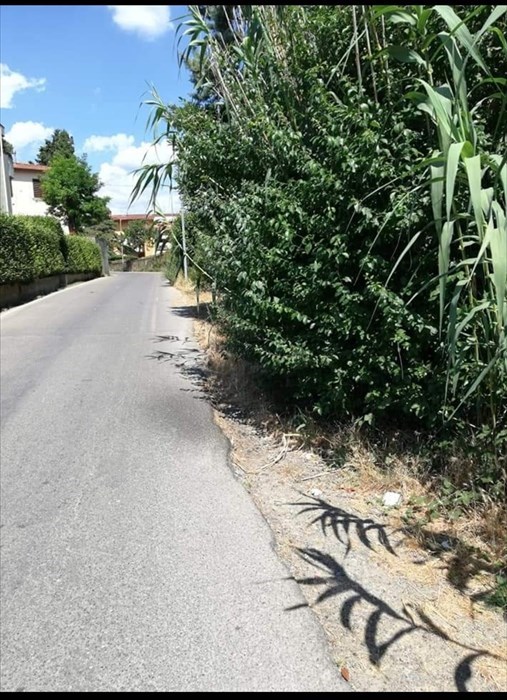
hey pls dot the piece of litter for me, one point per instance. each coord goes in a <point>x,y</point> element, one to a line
<point>391,499</point>
<point>316,493</point>
<point>345,673</point>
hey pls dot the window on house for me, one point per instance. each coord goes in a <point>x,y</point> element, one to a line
<point>37,189</point>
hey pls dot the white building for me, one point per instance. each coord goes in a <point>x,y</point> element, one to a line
<point>26,189</point>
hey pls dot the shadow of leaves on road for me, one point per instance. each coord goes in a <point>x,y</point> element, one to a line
<point>336,582</point>
<point>341,523</point>
<point>170,339</point>
<point>195,312</point>
<point>189,360</point>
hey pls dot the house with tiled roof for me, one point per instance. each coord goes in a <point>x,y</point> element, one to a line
<point>26,192</point>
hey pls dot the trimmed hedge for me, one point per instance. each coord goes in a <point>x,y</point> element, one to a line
<point>32,247</point>
<point>83,255</point>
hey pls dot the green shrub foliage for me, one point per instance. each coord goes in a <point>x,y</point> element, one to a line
<point>83,255</point>
<point>32,247</point>
<point>331,203</point>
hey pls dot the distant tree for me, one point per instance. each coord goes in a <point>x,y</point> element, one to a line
<point>69,189</point>
<point>137,234</point>
<point>7,147</point>
<point>61,143</point>
<point>106,231</point>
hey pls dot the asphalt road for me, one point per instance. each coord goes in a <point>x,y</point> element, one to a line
<point>131,557</point>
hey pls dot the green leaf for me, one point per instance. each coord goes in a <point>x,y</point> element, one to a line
<point>395,13</point>
<point>405,55</point>
<point>498,247</point>
<point>451,169</point>
<point>474,173</point>
<point>459,29</point>
<point>437,195</point>
<point>443,115</point>
<point>458,76</point>
<point>443,263</point>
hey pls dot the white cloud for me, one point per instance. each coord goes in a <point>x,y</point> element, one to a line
<point>149,21</point>
<point>94,144</point>
<point>12,82</point>
<point>118,178</point>
<point>24,134</point>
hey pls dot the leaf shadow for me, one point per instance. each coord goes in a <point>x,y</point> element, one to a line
<point>463,562</point>
<point>342,523</point>
<point>336,582</point>
<point>187,359</point>
<point>201,311</point>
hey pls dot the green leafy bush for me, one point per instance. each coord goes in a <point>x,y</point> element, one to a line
<point>30,247</point>
<point>83,255</point>
<point>344,170</point>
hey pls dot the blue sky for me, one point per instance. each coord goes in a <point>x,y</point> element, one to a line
<point>86,68</point>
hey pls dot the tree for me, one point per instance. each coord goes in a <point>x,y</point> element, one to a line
<point>106,231</point>
<point>61,143</point>
<point>137,234</point>
<point>69,189</point>
<point>8,148</point>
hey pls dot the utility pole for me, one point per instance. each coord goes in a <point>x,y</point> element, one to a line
<point>184,244</point>
<point>183,237</point>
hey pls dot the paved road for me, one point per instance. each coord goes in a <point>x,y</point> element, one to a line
<point>131,557</point>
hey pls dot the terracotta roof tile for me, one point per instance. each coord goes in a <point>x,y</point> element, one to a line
<point>30,166</point>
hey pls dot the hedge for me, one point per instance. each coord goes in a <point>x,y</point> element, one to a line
<point>32,247</point>
<point>83,255</point>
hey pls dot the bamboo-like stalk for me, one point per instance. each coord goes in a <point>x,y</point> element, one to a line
<point>384,44</point>
<point>366,16</point>
<point>356,47</point>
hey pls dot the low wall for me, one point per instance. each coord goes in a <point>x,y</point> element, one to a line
<point>153,263</point>
<point>20,292</point>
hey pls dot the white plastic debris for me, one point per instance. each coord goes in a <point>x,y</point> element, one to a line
<point>391,499</point>
<point>316,493</point>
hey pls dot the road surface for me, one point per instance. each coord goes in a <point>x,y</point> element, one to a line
<point>132,559</point>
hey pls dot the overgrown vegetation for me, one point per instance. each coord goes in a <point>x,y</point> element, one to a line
<point>32,247</point>
<point>344,169</point>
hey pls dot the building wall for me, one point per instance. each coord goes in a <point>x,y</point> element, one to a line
<point>23,200</point>
<point>6,173</point>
